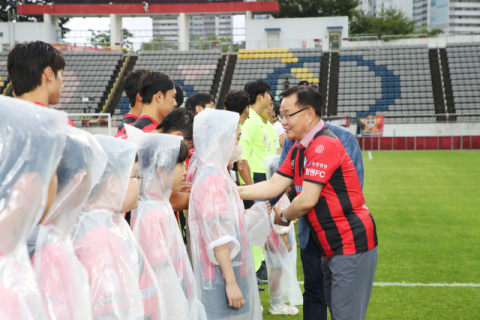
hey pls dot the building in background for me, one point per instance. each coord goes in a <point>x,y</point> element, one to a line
<point>452,16</point>
<point>166,27</point>
<point>375,6</point>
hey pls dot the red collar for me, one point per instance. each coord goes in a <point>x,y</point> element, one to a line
<point>148,117</point>
<point>40,104</point>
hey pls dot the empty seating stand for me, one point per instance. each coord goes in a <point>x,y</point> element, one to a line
<point>390,81</point>
<point>193,70</point>
<point>464,66</point>
<point>3,71</point>
<point>275,65</point>
<point>86,79</point>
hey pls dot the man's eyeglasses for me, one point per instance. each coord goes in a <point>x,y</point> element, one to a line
<point>139,179</point>
<point>286,117</point>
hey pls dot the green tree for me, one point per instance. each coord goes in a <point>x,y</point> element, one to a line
<point>317,8</point>
<point>10,6</point>
<point>431,33</point>
<point>101,39</point>
<point>391,21</point>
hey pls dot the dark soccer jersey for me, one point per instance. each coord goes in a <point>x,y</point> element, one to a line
<point>145,123</point>
<point>129,119</point>
<point>341,221</point>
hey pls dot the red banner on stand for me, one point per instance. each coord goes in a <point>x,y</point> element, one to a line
<point>371,126</point>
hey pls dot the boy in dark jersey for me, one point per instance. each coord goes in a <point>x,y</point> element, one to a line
<point>180,96</point>
<point>130,85</point>
<point>35,70</point>
<point>158,97</point>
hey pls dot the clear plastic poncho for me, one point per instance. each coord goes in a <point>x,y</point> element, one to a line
<point>62,278</point>
<point>216,217</point>
<point>281,263</point>
<point>156,228</point>
<point>104,249</point>
<point>32,139</point>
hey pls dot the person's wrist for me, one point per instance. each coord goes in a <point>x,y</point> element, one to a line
<point>231,281</point>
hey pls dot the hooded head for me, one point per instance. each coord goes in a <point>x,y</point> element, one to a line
<point>271,165</point>
<point>157,159</point>
<point>82,165</point>
<point>32,139</point>
<point>214,131</point>
<point>110,190</point>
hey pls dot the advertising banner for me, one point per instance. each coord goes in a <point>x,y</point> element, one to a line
<point>343,121</point>
<point>371,126</point>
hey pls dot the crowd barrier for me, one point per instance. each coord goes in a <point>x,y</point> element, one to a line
<point>419,143</point>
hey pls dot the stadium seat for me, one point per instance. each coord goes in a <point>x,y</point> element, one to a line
<point>274,65</point>
<point>386,81</point>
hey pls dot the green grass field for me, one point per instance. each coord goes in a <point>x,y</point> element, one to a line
<point>426,205</point>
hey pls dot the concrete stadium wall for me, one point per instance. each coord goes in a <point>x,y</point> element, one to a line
<point>419,143</point>
<point>294,30</point>
<point>27,31</point>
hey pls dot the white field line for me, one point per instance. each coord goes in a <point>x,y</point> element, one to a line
<point>406,284</point>
<point>370,155</point>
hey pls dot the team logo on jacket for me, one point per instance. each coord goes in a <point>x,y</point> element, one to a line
<point>265,139</point>
<point>109,281</point>
<point>319,149</point>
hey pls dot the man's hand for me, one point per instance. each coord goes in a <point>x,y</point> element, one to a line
<point>186,187</point>
<point>234,295</point>
<point>278,220</point>
<point>285,240</point>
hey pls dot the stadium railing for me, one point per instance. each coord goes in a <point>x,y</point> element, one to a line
<point>419,143</point>
<point>95,123</point>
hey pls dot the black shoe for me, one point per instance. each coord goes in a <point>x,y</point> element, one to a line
<point>260,281</point>
<point>262,272</point>
<point>261,289</point>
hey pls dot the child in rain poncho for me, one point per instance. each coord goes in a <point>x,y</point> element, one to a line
<point>153,301</point>
<point>62,278</point>
<point>102,247</point>
<point>29,158</point>
<point>161,163</point>
<point>281,258</point>
<point>228,289</point>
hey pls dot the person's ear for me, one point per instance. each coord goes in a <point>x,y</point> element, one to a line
<point>49,74</point>
<point>160,97</point>
<point>138,97</point>
<point>177,133</point>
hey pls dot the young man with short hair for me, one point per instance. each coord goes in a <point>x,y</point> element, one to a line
<point>239,102</point>
<point>35,69</point>
<point>200,101</point>
<point>130,85</point>
<point>158,93</point>
<point>254,133</point>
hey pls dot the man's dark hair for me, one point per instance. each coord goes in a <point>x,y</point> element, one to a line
<point>199,99</point>
<point>179,97</point>
<point>183,153</point>
<point>27,61</point>
<point>153,82</point>
<point>237,101</point>
<point>292,193</point>
<point>303,83</point>
<point>254,88</point>
<point>178,120</point>
<point>306,97</point>
<point>276,109</point>
<point>130,85</point>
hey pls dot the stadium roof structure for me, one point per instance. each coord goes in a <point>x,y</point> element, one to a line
<point>137,9</point>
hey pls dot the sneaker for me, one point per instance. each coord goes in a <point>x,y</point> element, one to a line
<point>261,289</point>
<point>282,308</point>
<point>260,281</point>
<point>262,272</point>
